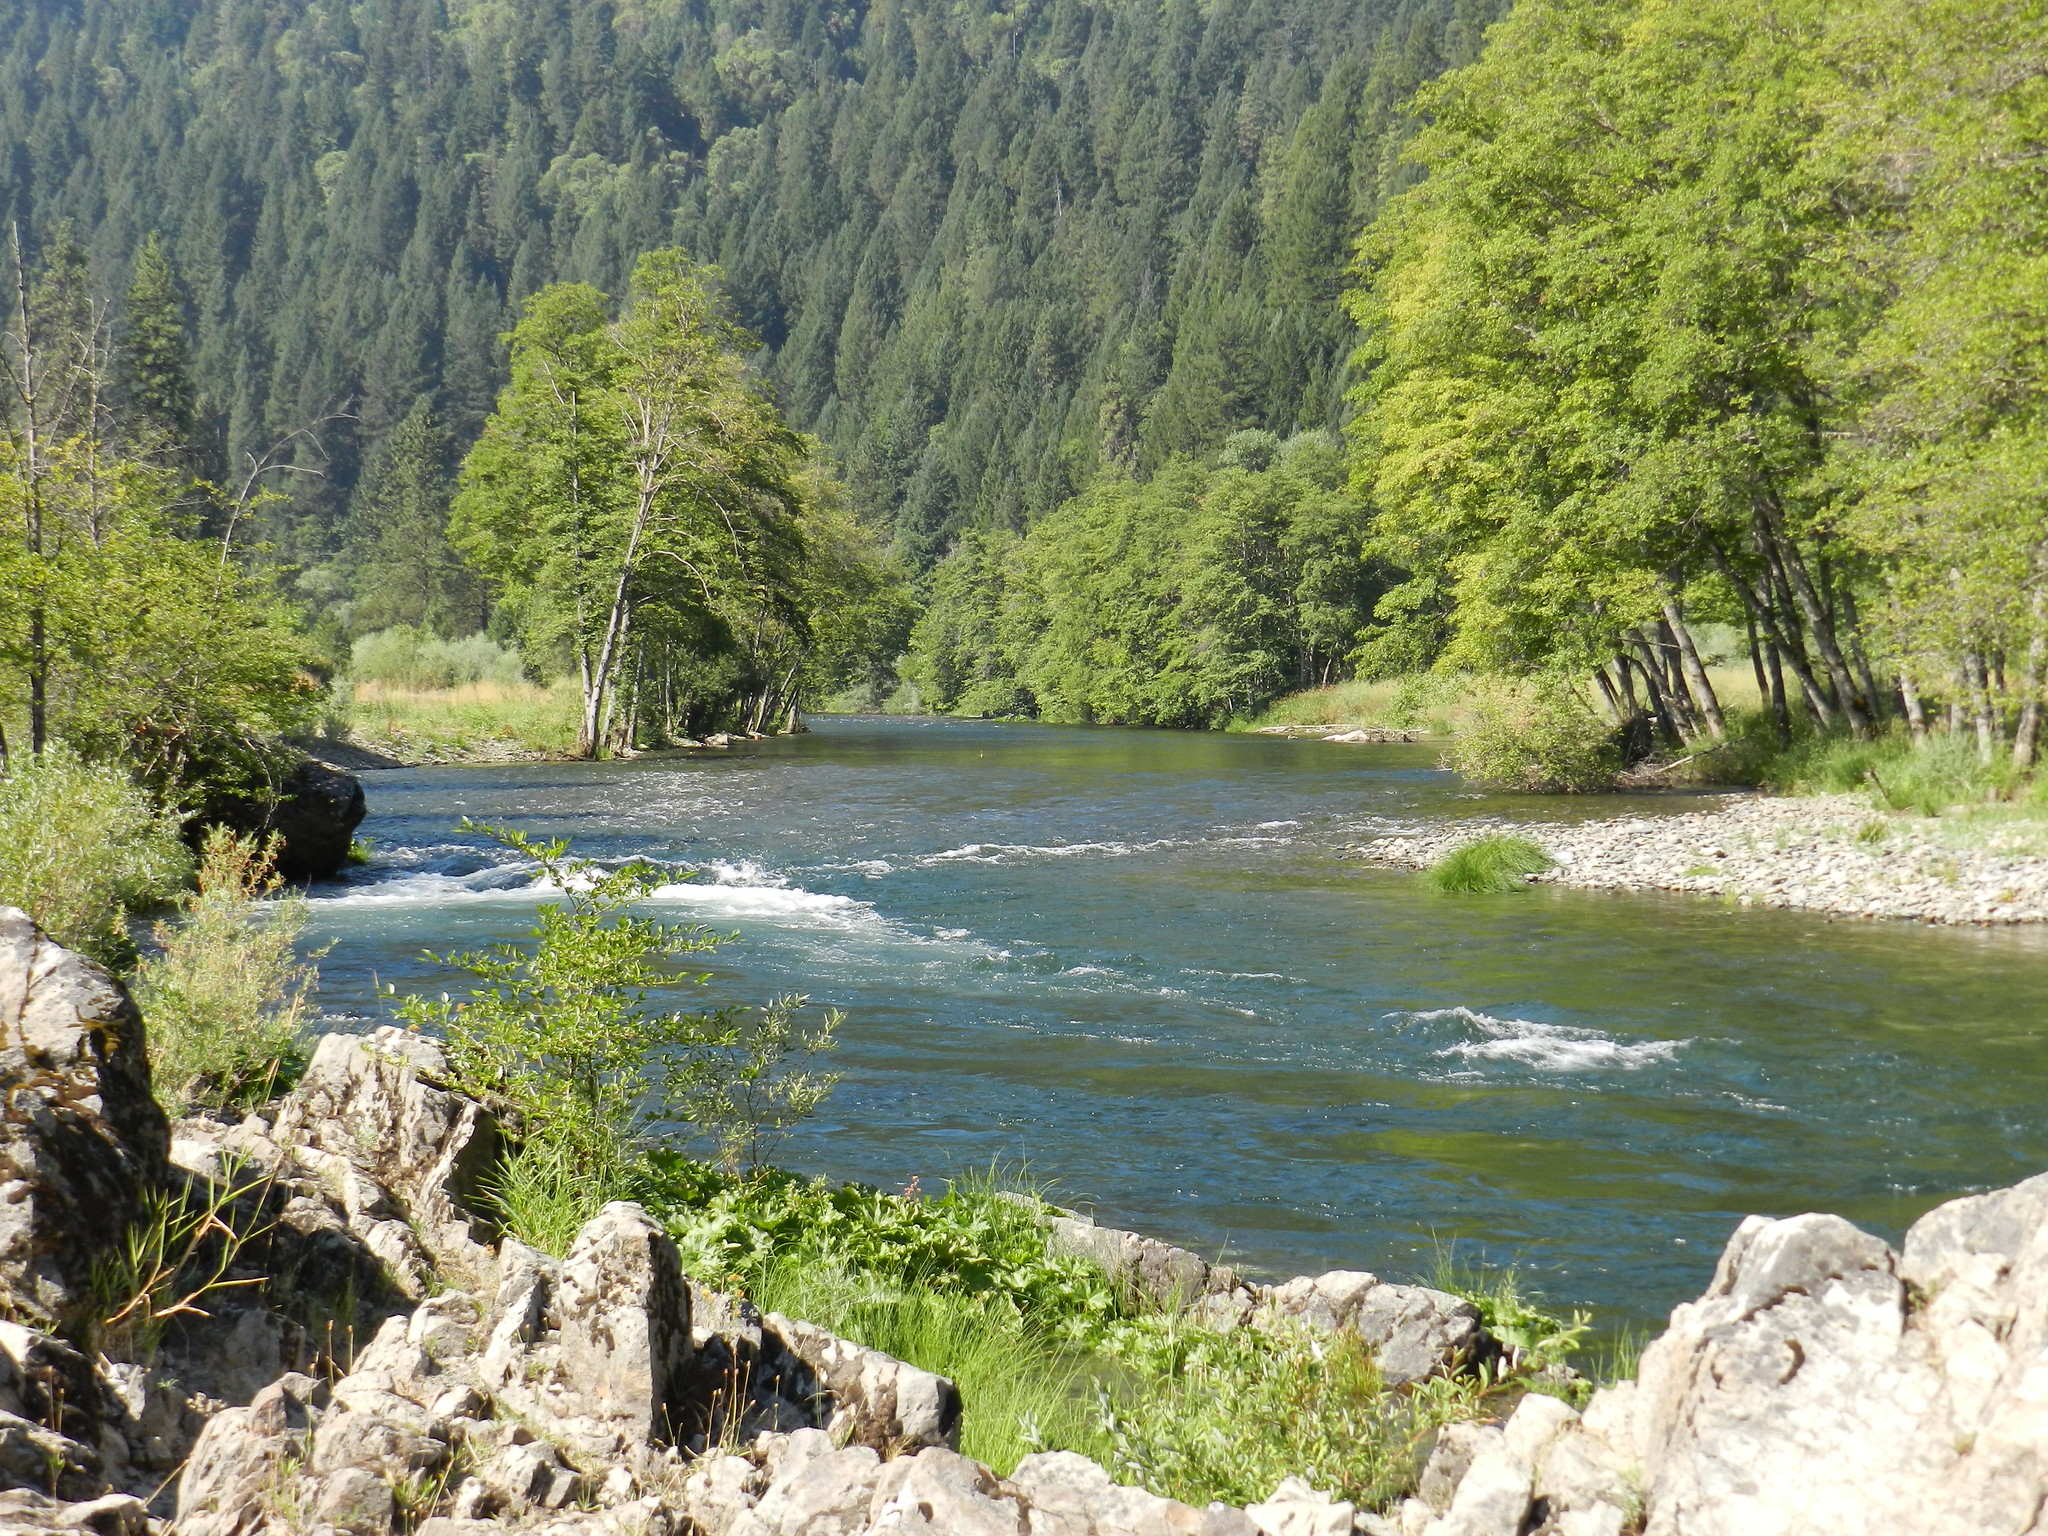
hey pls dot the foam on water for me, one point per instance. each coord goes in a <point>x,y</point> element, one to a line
<point>997,853</point>
<point>1543,1047</point>
<point>745,889</point>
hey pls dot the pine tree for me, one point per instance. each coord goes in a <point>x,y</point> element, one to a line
<point>405,570</point>
<point>155,394</point>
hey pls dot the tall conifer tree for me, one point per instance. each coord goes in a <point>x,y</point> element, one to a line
<point>159,403</point>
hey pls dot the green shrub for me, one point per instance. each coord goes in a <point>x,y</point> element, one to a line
<point>404,657</point>
<point>1534,738</point>
<point>1226,1415</point>
<point>82,847</point>
<point>226,994</point>
<point>1488,865</point>
<point>560,1034</point>
<point>1513,1316</point>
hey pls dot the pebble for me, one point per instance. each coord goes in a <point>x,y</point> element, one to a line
<point>1801,853</point>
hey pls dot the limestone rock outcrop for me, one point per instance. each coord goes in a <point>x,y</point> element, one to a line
<point>1413,1332</point>
<point>1823,1384</point>
<point>373,1115</point>
<point>81,1137</point>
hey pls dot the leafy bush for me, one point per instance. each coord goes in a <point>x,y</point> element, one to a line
<point>1537,1338</point>
<point>226,995</point>
<point>1051,1355</point>
<point>1488,866</point>
<point>404,657</point>
<point>83,846</point>
<point>1539,739</point>
<point>560,1034</point>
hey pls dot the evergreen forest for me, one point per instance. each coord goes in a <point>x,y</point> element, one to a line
<point>1077,359</point>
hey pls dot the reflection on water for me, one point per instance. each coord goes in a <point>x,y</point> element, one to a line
<point>1137,961</point>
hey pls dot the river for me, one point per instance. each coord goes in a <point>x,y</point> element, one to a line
<point>1138,963</point>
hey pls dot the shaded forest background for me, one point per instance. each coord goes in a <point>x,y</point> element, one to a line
<point>988,252</point>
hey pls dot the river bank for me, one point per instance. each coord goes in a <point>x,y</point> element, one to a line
<point>376,1357</point>
<point>1821,853</point>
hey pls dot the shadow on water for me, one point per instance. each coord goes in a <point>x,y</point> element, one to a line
<point>1141,961</point>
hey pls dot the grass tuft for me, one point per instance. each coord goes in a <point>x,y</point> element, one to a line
<point>1488,866</point>
<point>1023,1391</point>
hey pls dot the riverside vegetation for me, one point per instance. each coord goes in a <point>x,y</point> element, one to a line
<point>609,1093</point>
<point>1182,362</point>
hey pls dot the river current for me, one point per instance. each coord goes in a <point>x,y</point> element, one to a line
<point>1139,964</point>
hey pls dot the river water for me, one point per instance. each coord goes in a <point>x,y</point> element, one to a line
<point>1137,962</point>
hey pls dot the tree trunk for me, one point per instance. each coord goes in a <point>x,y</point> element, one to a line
<point>1916,715</point>
<point>1765,616</point>
<point>2026,739</point>
<point>1696,673</point>
<point>1659,708</point>
<point>1874,699</point>
<point>1608,695</point>
<point>1818,623</point>
<point>1778,705</point>
<point>1980,706</point>
<point>1676,705</point>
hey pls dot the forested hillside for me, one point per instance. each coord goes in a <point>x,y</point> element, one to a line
<point>988,251</point>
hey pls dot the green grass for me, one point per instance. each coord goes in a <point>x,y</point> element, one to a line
<point>482,721</point>
<point>1488,866</point>
<point>1926,779</point>
<point>1436,706</point>
<point>1023,1390</point>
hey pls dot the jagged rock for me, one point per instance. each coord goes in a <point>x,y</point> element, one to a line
<point>1296,1509</point>
<point>81,1138</point>
<point>355,1501</point>
<point>623,1309</point>
<point>1166,1274</point>
<point>719,1490</point>
<point>112,1514</point>
<point>877,1401</point>
<point>407,1155</point>
<point>1066,1494</point>
<point>1822,1384</point>
<point>1413,1332</point>
<point>942,1492</point>
<point>816,1491</point>
<point>247,1459</point>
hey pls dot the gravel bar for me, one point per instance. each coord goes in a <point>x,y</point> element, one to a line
<point>1821,853</point>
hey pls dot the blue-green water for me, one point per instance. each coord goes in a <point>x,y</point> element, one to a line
<point>1138,961</point>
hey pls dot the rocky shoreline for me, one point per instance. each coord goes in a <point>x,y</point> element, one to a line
<point>464,1384</point>
<point>1825,853</point>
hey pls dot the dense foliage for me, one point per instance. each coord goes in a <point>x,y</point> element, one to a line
<point>988,248</point>
<point>645,515</point>
<point>1729,311</point>
<point>1186,599</point>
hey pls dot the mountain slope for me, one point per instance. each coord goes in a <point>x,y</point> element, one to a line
<point>987,251</point>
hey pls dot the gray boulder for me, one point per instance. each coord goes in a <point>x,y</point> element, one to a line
<point>1143,1265</point>
<point>407,1155</point>
<point>1414,1332</point>
<point>876,1400</point>
<point>1823,1384</point>
<point>314,810</point>
<point>623,1311</point>
<point>83,1138</point>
